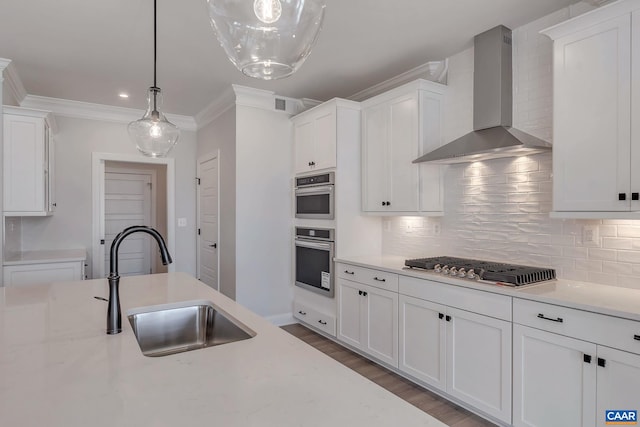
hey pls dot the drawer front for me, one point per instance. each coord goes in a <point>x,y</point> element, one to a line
<point>368,276</point>
<point>485,303</point>
<point>623,334</point>
<point>324,322</point>
<point>38,274</point>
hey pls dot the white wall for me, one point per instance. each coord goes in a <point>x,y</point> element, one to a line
<point>71,225</point>
<point>220,135</point>
<point>264,159</point>
<point>499,209</point>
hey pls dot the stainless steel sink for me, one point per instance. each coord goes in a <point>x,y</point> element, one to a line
<point>173,328</point>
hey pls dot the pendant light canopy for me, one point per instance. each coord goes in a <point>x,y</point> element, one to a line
<point>153,134</point>
<point>267,39</point>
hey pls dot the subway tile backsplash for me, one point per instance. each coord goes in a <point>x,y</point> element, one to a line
<point>499,209</point>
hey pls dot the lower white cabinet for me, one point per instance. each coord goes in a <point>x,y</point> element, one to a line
<point>465,354</point>
<point>322,321</point>
<point>561,380</point>
<point>368,320</point>
<point>36,274</point>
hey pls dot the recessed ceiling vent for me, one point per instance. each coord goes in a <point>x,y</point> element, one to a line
<point>281,104</point>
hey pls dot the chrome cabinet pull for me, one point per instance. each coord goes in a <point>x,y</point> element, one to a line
<point>557,319</point>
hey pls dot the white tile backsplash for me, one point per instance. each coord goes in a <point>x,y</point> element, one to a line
<point>499,209</point>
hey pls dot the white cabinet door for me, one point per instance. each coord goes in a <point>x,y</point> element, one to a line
<point>554,379</point>
<point>423,340</point>
<point>403,149</point>
<point>315,139</point>
<point>303,137</point>
<point>381,330</point>
<point>592,118</point>
<point>479,362</point>
<point>431,190</point>
<point>325,129</point>
<point>374,155</point>
<point>618,382</point>
<point>351,314</point>
<point>36,274</point>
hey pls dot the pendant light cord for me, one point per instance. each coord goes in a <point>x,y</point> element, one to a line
<point>155,56</point>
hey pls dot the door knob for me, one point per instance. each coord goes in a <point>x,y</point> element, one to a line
<point>215,245</point>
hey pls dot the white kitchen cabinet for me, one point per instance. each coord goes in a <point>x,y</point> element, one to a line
<point>313,317</point>
<point>36,274</point>
<point>563,374</point>
<point>397,127</point>
<point>316,135</point>
<point>465,354</point>
<point>552,381</point>
<point>368,320</point>
<point>28,163</point>
<point>596,141</point>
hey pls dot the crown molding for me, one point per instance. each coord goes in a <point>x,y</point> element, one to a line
<point>266,100</point>
<point>108,113</point>
<point>14,83</point>
<point>435,71</point>
<point>216,108</point>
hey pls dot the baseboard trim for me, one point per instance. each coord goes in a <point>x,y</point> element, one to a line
<point>282,319</point>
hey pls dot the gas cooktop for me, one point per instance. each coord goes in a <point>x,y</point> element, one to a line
<point>473,269</point>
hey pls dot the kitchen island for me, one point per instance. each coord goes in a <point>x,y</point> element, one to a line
<point>59,368</point>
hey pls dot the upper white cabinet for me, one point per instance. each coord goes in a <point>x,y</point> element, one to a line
<point>596,139</point>
<point>316,135</point>
<point>397,127</point>
<point>28,162</point>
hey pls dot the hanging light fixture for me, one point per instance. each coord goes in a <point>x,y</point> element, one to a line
<point>153,134</point>
<point>267,39</point>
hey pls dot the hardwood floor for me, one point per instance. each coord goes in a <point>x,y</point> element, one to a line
<point>432,404</point>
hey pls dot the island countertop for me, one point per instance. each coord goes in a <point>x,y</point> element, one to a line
<point>59,368</point>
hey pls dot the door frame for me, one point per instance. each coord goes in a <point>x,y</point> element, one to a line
<point>97,183</point>
<point>201,159</point>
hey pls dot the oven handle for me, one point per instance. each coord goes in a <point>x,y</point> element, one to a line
<point>321,189</point>
<point>327,246</point>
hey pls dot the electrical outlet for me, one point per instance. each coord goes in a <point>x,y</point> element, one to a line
<point>436,229</point>
<point>386,226</point>
<point>590,235</point>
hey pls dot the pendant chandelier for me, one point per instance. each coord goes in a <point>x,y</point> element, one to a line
<point>267,39</point>
<point>153,134</point>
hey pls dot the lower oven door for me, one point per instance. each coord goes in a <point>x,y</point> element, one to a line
<point>314,266</point>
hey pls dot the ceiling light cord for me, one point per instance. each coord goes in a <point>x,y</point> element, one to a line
<point>155,55</point>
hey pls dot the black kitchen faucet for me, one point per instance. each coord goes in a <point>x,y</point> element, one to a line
<point>114,315</point>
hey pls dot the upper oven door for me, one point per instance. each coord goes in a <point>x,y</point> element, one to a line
<point>315,202</point>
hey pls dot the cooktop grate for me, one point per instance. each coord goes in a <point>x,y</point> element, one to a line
<point>487,270</point>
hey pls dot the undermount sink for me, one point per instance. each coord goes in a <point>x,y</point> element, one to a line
<point>190,325</point>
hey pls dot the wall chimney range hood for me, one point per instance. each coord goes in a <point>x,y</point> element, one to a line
<point>492,137</point>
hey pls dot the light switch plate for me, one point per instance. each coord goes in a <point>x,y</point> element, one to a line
<point>182,222</point>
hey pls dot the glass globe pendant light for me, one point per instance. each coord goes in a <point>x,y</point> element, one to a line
<point>267,39</point>
<point>153,134</point>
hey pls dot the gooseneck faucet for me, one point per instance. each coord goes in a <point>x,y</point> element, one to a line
<point>114,315</point>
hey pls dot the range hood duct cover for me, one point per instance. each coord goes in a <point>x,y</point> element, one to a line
<point>493,137</point>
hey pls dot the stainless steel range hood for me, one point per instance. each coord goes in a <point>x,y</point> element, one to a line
<point>493,137</point>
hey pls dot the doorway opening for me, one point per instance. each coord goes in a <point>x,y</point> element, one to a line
<point>129,190</point>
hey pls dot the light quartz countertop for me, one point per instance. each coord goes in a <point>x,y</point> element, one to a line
<point>40,257</point>
<point>59,368</point>
<point>603,299</point>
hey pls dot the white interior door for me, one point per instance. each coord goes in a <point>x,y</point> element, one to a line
<point>208,199</point>
<point>127,202</point>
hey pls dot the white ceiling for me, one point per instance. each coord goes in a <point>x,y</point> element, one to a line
<point>91,50</point>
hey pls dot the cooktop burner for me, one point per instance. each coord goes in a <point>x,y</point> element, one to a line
<point>473,269</point>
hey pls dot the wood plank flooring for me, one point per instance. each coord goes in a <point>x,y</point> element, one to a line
<point>432,404</point>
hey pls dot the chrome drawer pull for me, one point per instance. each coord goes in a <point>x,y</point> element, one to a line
<point>636,337</point>
<point>558,319</point>
<point>349,272</point>
<point>322,322</point>
<point>379,280</point>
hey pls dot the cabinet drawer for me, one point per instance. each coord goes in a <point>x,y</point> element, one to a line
<point>324,322</point>
<point>610,331</point>
<point>376,278</point>
<point>486,303</point>
<point>37,274</point>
